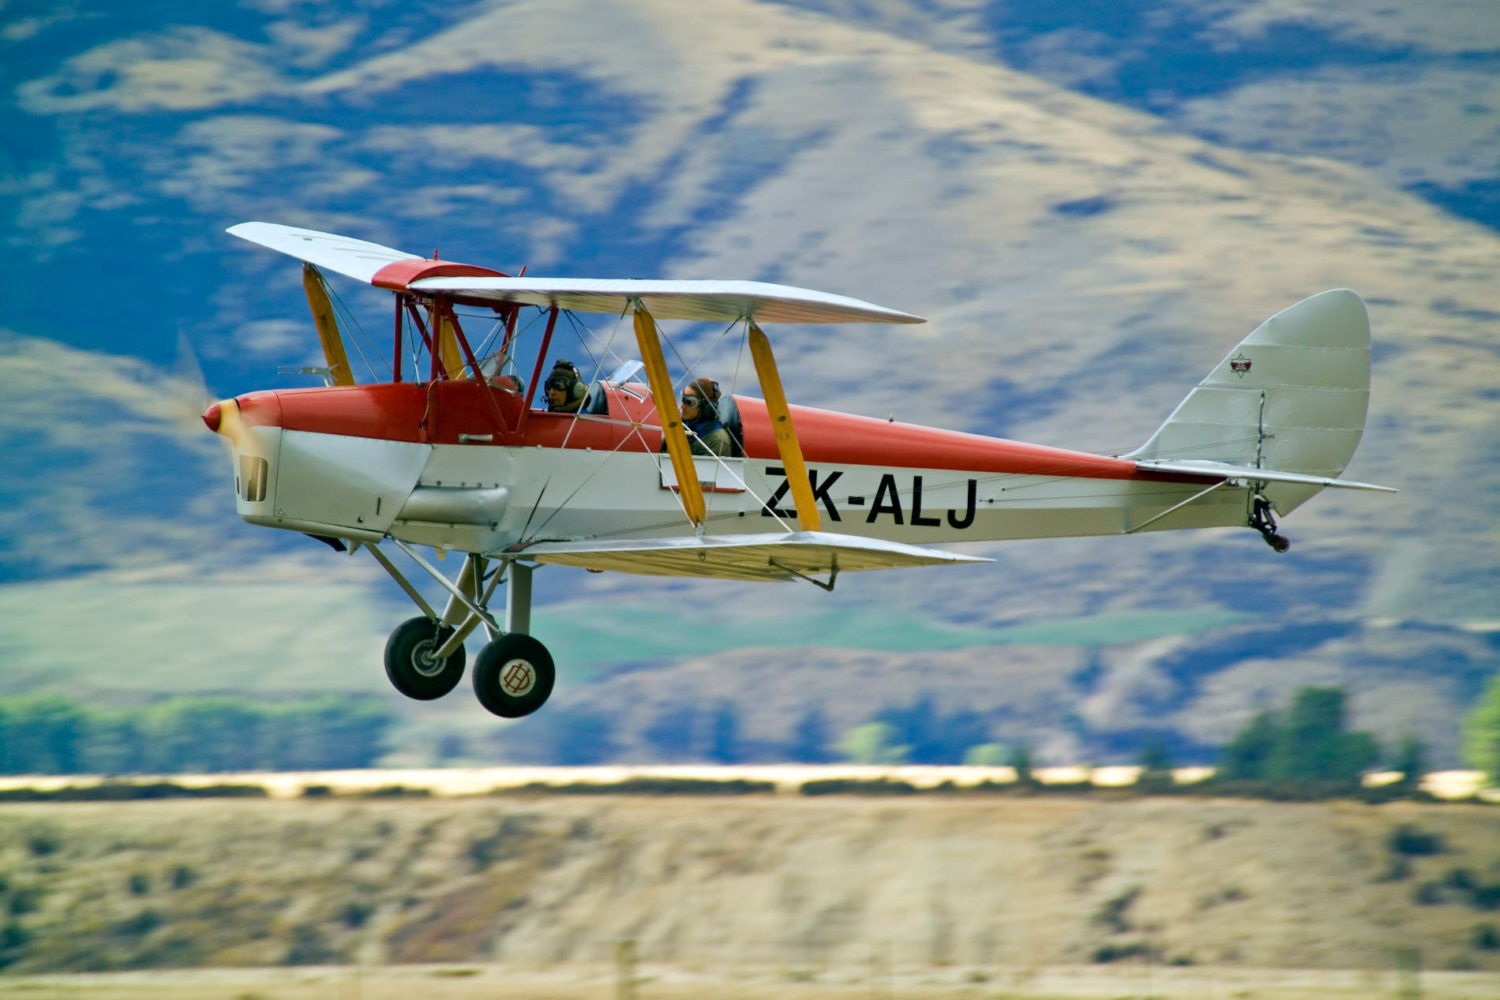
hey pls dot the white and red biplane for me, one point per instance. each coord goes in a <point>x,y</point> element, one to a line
<point>457,458</point>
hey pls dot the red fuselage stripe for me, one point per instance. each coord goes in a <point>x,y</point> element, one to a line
<point>439,412</point>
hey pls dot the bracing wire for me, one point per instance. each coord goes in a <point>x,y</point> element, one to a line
<point>357,328</point>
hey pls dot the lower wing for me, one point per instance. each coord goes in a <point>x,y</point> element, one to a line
<point>788,556</point>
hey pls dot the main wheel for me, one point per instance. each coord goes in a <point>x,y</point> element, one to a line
<point>410,665</point>
<point>513,675</point>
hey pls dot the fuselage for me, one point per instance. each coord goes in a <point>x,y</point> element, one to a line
<point>462,465</point>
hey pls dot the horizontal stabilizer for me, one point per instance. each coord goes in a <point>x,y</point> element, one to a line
<point>788,556</point>
<point>701,301</point>
<point>1250,474</point>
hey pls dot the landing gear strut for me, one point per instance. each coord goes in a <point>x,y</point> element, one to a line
<point>1263,520</point>
<point>424,658</point>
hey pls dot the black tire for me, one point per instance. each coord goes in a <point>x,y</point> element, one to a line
<point>409,663</point>
<point>513,676</point>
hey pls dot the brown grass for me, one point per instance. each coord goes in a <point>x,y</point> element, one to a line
<point>756,896</point>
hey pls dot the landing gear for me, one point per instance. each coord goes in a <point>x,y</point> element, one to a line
<point>513,676</point>
<point>424,658</point>
<point>1264,521</point>
<point>411,663</point>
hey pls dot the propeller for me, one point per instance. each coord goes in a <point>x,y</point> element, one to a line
<point>187,390</point>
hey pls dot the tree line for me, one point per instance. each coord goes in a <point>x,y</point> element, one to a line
<point>1305,749</point>
<point>50,734</point>
<point>1306,745</point>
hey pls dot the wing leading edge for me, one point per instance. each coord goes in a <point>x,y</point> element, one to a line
<point>789,556</point>
<point>701,301</point>
<point>693,300</point>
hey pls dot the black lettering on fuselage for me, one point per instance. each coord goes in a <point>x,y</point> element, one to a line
<point>887,500</point>
<point>772,507</point>
<point>917,520</point>
<point>820,491</point>
<point>968,518</point>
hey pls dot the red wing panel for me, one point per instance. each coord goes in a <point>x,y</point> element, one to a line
<point>396,276</point>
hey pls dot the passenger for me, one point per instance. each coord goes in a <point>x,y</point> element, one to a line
<point>706,436</point>
<point>565,388</point>
<point>494,373</point>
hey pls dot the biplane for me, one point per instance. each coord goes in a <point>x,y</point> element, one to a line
<point>458,454</point>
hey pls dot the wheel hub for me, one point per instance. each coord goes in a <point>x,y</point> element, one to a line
<point>422,660</point>
<point>517,678</point>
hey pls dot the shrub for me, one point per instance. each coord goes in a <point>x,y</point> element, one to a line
<point>1112,913</point>
<point>1484,937</point>
<point>1399,869</point>
<point>13,941</point>
<point>396,792</point>
<point>1117,952</point>
<point>140,924</point>
<point>355,913</point>
<point>649,785</point>
<point>1413,842</point>
<point>1427,894</point>
<point>308,946</point>
<point>1486,897</point>
<point>42,842</point>
<point>1459,878</point>
<point>22,901</point>
<point>857,786</point>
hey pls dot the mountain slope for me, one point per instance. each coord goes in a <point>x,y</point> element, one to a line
<point>1082,263</point>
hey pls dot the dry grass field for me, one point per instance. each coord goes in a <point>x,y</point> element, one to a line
<point>764,895</point>
<point>473,982</point>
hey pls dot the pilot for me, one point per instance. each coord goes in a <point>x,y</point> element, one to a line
<point>565,388</point>
<point>706,436</point>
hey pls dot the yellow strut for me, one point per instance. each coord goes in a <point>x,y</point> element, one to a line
<point>786,435</point>
<point>328,327</point>
<point>688,488</point>
<point>453,359</point>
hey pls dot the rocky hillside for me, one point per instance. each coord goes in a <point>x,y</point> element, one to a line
<point>783,882</point>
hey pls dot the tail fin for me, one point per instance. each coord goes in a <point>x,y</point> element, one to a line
<point>1290,398</point>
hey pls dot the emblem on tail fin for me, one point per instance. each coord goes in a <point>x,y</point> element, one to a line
<point>1240,364</point>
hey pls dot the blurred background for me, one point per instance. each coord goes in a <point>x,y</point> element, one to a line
<point>1090,202</point>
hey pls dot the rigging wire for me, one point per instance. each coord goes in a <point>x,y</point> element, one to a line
<point>358,328</point>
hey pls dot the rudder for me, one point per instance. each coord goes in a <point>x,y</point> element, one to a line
<point>1291,396</point>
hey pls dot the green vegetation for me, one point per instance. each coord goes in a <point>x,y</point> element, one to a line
<point>48,734</point>
<point>1482,733</point>
<point>1302,753</point>
<point>126,791</point>
<point>1113,913</point>
<point>858,786</point>
<point>649,786</point>
<point>1414,842</point>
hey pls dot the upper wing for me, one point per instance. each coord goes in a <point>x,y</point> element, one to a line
<point>784,556</point>
<point>339,254</point>
<point>713,301</point>
<point>1249,473</point>
<point>721,301</point>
